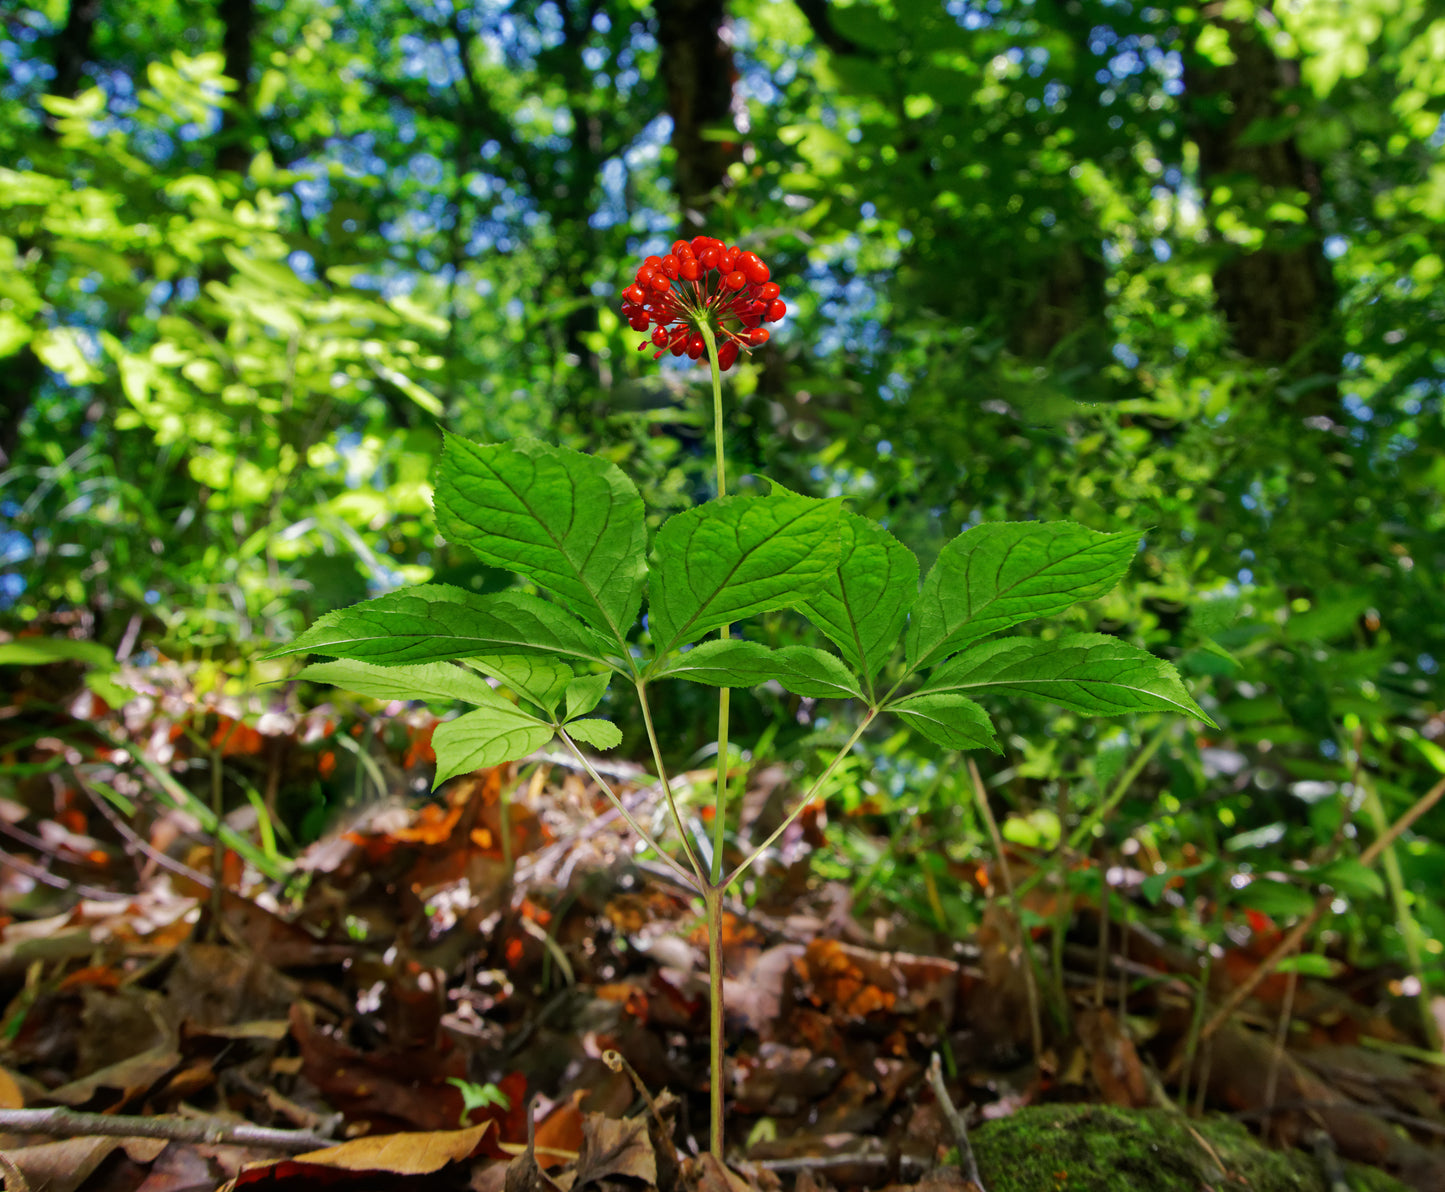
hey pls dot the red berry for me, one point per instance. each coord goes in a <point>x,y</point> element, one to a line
<point>638,322</point>
<point>709,256</point>
<point>753,268</point>
<point>688,269</point>
<point>727,356</point>
<point>669,265</point>
<point>660,283</point>
<point>735,280</point>
<point>660,337</point>
<point>634,294</point>
<point>729,259</point>
<point>770,291</point>
<point>757,337</point>
<point>696,347</point>
<point>681,247</point>
<point>777,308</point>
<point>654,261</point>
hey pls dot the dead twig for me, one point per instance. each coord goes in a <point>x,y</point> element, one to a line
<point>66,1123</point>
<point>966,1162</point>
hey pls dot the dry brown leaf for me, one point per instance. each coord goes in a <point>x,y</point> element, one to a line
<point>1113,1059</point>
<point>612,1148</point>
<point>400,1154</point>
<point>64,1166</point>
<point>10,1095</point>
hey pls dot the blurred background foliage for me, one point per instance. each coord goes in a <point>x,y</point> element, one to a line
<point>1174,267</point>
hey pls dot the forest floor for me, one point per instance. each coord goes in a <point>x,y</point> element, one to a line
<point>437,997</point>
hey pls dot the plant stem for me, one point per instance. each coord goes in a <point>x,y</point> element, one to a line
<point>807,798</point>
<point>724,695</point>
<point>713,903</point>
<point>643,833</point>
<point>667,786</point>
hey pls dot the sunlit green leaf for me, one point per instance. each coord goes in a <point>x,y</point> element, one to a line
<point>736,557</point>
<point>1084,672</point>
<point>487,737</point>
<point>802,670</point>
<point>863,604</point>
<point>571,522</point>
<point>437,682</point>
<point>953,721</point>
<point>1002,574</point>
<point>435,623</point>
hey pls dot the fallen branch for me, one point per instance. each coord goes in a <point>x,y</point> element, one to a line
<point>966,1162</point>
<point>66,1123</point>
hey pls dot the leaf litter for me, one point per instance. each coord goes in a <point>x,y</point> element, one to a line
<point>442,990</point>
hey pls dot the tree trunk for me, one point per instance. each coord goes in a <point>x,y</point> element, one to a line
<point>1278,300</point>
<point>238,25</point>
<point>697,64</point>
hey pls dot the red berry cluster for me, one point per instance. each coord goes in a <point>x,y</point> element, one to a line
<point>703,280</point>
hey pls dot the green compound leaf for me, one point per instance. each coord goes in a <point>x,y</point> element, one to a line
<point>802,670</point>
<point>585,692</point>
<point>435,682</point>
<point>600,734</point>
<point>1002,574</point>
<point>437,622</point>
<point>862,605</point>
<point>569,521</point>
<point>735,557</point>
<point>534,677</point>
<point>952,721</point>
<point>1084,672</point>
<point>487,737</point>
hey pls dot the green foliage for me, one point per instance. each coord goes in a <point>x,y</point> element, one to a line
<point>573,524</point>
<point>233,317</point>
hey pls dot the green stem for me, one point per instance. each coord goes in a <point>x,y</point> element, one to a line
<point>677,819</point>
<point>713,902</point>
<point>643,833</point>
<point>724,695</point>
<point>807,798</point>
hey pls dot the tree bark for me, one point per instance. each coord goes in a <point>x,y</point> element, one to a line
<point>238,26</point>
<point>697,65</point>
<point>1278,300</point>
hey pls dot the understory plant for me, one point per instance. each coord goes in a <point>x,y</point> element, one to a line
<point>572,525</point>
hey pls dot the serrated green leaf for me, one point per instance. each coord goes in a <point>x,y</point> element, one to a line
<point>534,677</point>
<point>953,721</point>
<point>735,557</point>
<point>436,623</point>
<point>569,521</point>
<point>437,682</point>
<point>585,692</point>
<point>1002,574</point>
<point>802,670</point>
<point>487,737</point>
<point>600,734</point>
<point>1084,672</point>
<point>862,605</point>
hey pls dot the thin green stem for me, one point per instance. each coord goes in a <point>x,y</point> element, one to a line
<point>807,798</point>
<point>724,695</point>
<point>713,902</point>
<point>643,834</point>
<point>667,786</point>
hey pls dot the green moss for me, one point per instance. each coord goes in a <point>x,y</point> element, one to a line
<point>1083,1148</point>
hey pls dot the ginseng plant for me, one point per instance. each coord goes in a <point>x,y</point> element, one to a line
<point>572,526</point>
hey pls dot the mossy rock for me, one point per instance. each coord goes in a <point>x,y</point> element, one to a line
<point>1084,1148</point>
